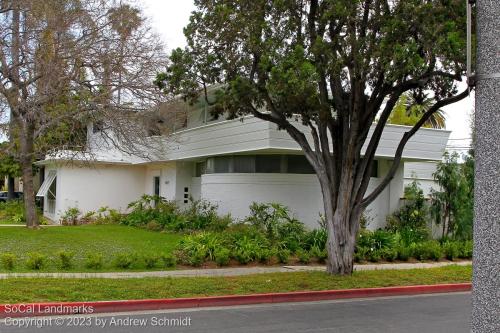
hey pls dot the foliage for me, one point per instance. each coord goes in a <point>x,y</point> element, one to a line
<point>222,256</point>
<point>150,208</point>
<point>195,249</point>
<point>125,260</point>
<point>283,256</point>
<point>71,216</point>
<point>411,107</point>
<point>451,250</point>
<point>8,260</point>
<point>65,259</point>
<point>169,260</point>
<point>36,260</point>
<point>427,250</point>
<point>452,205</point>
<point>94,260</point>
<point>332,66</point>
<point>150,260</point>
<point>304,256</point>
<point>375,240</point>
<point>202,215</point>
<point>320,254</point>
<point>410,221</point>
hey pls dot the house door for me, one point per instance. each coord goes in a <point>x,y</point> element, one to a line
<point>156,186</point>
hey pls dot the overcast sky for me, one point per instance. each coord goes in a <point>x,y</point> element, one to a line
<point>168,18</point>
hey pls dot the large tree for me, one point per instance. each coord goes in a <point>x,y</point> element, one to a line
<point>65,63</point>
<point>336,66</point>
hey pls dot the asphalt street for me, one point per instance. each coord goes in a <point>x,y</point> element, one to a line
<point>425,313</point>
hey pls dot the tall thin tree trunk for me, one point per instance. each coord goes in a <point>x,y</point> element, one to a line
<point>27,151</point>
<point>10,188</point>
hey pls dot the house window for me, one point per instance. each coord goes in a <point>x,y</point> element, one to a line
<point>244,164</point>
<point>222,164</point>
<point>200,169</point>
<point>374,171</point>
<point>299,164</point>
<point>268,163</point>
<point>156,186</point>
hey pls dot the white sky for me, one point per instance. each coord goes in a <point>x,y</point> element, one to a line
<point>169,17</point>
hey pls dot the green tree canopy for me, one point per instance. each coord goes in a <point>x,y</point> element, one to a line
<point>325,70</point>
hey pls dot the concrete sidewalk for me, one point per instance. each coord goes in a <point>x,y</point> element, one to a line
<point>235,271</point>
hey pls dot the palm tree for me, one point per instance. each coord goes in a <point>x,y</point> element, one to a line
<point>418,102</point>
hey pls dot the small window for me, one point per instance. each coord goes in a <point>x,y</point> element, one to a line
<point>244,164</point>
<point>268,164</point>
<point>374,171</point>
<point>299,164</point>
<point>156,186</point>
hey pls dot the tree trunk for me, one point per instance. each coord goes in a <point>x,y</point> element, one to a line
<point>10,188</point>
<point>27,150</point>
<point>342,226</point>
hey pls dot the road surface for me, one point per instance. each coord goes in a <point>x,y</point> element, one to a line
<point>425,313</point>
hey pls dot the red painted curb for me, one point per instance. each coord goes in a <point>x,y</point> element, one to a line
<point>68,308</point>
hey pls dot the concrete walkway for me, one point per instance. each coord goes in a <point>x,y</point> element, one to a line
<point>235,271</point>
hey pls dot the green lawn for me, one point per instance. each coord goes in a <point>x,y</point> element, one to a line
<point>108,240</point>
<point>41,290</point>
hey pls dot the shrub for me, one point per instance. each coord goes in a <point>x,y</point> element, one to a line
<point>70,216</point>
<point>275,221</point>
<point>411,219</point>
<point>320,254</point>
<point>106,215</point>
<point>8,260</point>
<point>427,250</point>
<point>222,256</point>
<point>201,245</point>
<point>125,260</point>
<point>360,253</point>
<point>389,254</point>
<point>316,238</point>
<point>202,215</point>
<point>153,226</point>
<point>303,256</point>
<point>36,260</point>
<point>169,260</point>
<point>196,258</point>
<point>150,260</point>
<point>265,255</point>
<point>374,255</point>
<point>451,250</point>
<point>152,208</point>
<point>283,256</point>
<point>404,252</point>
<point>65,259</point>
<point>247,249</point>
<point>94,261</point>
<point>466,250</point>
<point>377,240</point>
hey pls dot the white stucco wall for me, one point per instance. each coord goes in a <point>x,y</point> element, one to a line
<point>90,188</point>
<point>422,171</point>
<point>301,193</point>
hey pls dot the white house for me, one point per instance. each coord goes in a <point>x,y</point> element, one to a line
<point>229,162</point>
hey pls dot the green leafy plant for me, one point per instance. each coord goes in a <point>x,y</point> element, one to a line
<point>36,260</point>
<point>71,216</point>
<point>303,256</point>
<point>283,256</point>
<point>94,260</point>
<point>8,260</point>
<point>125,260</point>
<point>466,249</point>
<point>150,260</point>
<point>320,254</point>
<point>169,260</point>
<point>222,256</point>
<point>65,259</point>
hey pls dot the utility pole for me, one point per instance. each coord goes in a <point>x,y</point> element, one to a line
<point>486,260</point>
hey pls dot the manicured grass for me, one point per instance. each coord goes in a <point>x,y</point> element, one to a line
<point>40,290</point>
<point>109,240</point>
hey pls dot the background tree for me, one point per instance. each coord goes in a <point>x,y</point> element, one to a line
<point>452,204</point>
<point>410,108</point>
<point>63,64</point>
<point>333,67</point>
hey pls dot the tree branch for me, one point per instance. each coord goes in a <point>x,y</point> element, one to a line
<point>399,151</point>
